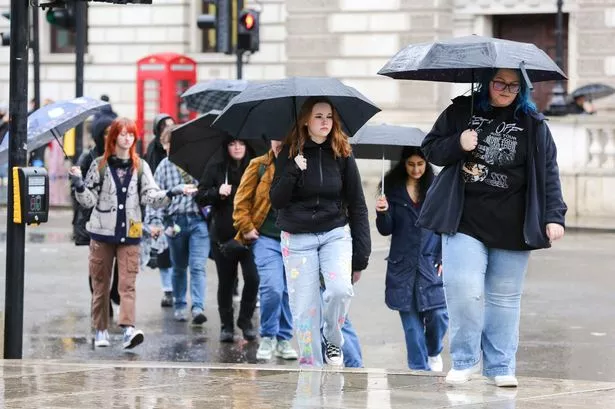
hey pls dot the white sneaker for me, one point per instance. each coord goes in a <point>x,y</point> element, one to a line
<point>334,355</point>
<point>504,381</point>
<point>285,350</point>
<point>132,337</point>
<point>459,376</point>
<point>435,363</point>
<point>101,339</point>
<point>265,348</point>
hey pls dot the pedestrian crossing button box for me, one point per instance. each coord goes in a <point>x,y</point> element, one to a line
<point>31,195</point>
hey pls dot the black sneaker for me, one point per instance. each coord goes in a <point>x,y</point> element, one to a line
<point>333,355</point>
<point>198,317</point>
<point>227,335</point>
<point>167,299</point>
<point>249,332</point>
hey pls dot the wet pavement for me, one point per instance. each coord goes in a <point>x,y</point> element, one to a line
<point>567,332</point>
<point>53,384</point>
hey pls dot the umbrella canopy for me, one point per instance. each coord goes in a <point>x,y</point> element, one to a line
<point>384,141</point>
<point>271,108</point>
<point>463,60</point>
<point>195,143</point>
<point>593,91</point>
<point>54,120</point>
<point>212,95</point>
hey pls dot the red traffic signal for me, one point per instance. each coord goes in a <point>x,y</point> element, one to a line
<point>248,20</point>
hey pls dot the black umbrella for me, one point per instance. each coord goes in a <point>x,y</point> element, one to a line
<point>384,142</point>
<point>463,59</point>
<point>194,143</point>
<point>212,95</point>
<point>593,91</point>
<point>271,108</point>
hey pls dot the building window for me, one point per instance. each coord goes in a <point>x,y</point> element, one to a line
<point>209,36</point>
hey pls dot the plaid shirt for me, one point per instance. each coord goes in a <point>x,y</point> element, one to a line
<point>167,176</point>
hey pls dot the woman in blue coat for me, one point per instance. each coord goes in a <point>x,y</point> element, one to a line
<point>413,280</point>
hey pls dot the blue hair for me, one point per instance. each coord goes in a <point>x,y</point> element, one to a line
<point>523,101</point>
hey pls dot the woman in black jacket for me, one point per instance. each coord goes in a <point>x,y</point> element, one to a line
<point>325,231</point>
<point>217,188</point>
<point>497,198</point>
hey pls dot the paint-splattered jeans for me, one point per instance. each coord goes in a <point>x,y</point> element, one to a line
<point>306,257</point>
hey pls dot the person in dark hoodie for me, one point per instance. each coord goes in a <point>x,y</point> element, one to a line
<point>155,151</point>
<point>498,197</point>
<point>81,214</point>
<point>155,154</point>
<point>217,189</point>
<point>325,230</point>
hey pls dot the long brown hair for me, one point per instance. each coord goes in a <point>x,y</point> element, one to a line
<point>339,140</point>
<point>114,131</point>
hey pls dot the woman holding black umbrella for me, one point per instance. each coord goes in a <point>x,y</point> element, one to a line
<point>217,189</point>
<point>325,232</point>
<point>497,198</point>
<point>413,280</point>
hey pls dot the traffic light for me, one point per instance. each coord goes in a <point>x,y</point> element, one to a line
<point>221,20</point>
<point>63,17</point>
<point>6,37</point>
<point>247,30</point>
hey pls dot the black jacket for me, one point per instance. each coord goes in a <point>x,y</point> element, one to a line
<point>221,224</point>
<point>443,205</point>
<point>327,195</point>
<point>155,152</point>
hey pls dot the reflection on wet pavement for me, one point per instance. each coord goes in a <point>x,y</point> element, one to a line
<point>54,384</point>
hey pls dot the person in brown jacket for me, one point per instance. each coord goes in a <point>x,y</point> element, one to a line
<point>254,220</point>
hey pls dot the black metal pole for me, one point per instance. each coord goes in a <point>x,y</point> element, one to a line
<point>18,128</point>
<point>239,64</point>
<point>80,42</point>
<point>557,105</point>
<point>36,62</point>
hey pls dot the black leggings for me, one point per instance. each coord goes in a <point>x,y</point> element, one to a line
<point>227,276</point>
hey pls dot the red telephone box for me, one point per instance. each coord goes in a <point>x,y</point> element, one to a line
<point>161,80</point>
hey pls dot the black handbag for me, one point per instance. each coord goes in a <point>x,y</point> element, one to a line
<point>233,249</point>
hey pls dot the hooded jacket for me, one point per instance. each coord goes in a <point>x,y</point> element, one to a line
<point>155,152</point>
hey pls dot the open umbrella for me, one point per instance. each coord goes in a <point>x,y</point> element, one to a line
<point>593,91</point>
<point>271,108</point>
<point>194,143</point>
<point>212,95</point>
<point>463,59</point>
<point>54,120</point>
<point>384,142</point>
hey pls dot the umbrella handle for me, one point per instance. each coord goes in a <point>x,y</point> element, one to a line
<point>54,133</point>
<point>382,176</point>
<point>526,77</point>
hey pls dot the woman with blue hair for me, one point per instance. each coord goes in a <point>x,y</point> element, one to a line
<point>498,197</point>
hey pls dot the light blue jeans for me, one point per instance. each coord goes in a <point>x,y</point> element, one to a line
<point>351,348</point>
<point>305,257</point>
<point>166,279</point>
<point>276,319</point>
<point>483,289</point>
<point>190,247</point>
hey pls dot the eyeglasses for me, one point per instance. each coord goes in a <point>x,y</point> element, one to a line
<point>501,86</point>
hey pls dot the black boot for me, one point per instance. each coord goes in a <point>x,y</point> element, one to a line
<point>245,322</point>
<point>227,330</point>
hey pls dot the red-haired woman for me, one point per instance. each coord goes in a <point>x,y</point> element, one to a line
<point>325,231</point>
<point>116,186</point>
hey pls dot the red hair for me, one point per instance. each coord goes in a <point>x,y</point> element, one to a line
<point>339,140</point>
<point>115,129</point>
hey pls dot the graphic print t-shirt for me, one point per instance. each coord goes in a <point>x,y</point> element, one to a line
<point>495,181</point>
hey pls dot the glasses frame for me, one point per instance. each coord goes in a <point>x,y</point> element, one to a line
<point>506,87</point>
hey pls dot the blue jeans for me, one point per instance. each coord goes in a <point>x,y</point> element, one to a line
<point>351,348</point>
<point>166,279</point>
<point>424,332</point>
<point>190,247</point>
<point>276,319</point>
<point>483,289</point>
<point>305,257</point>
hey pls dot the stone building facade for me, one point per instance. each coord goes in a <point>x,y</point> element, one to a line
<point>347,39</point>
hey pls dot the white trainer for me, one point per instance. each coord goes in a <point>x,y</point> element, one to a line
<point>459,376</point>
<point>435,363</point>
<point>504,381</point>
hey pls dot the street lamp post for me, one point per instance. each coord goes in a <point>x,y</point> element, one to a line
<point>557,105</point>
